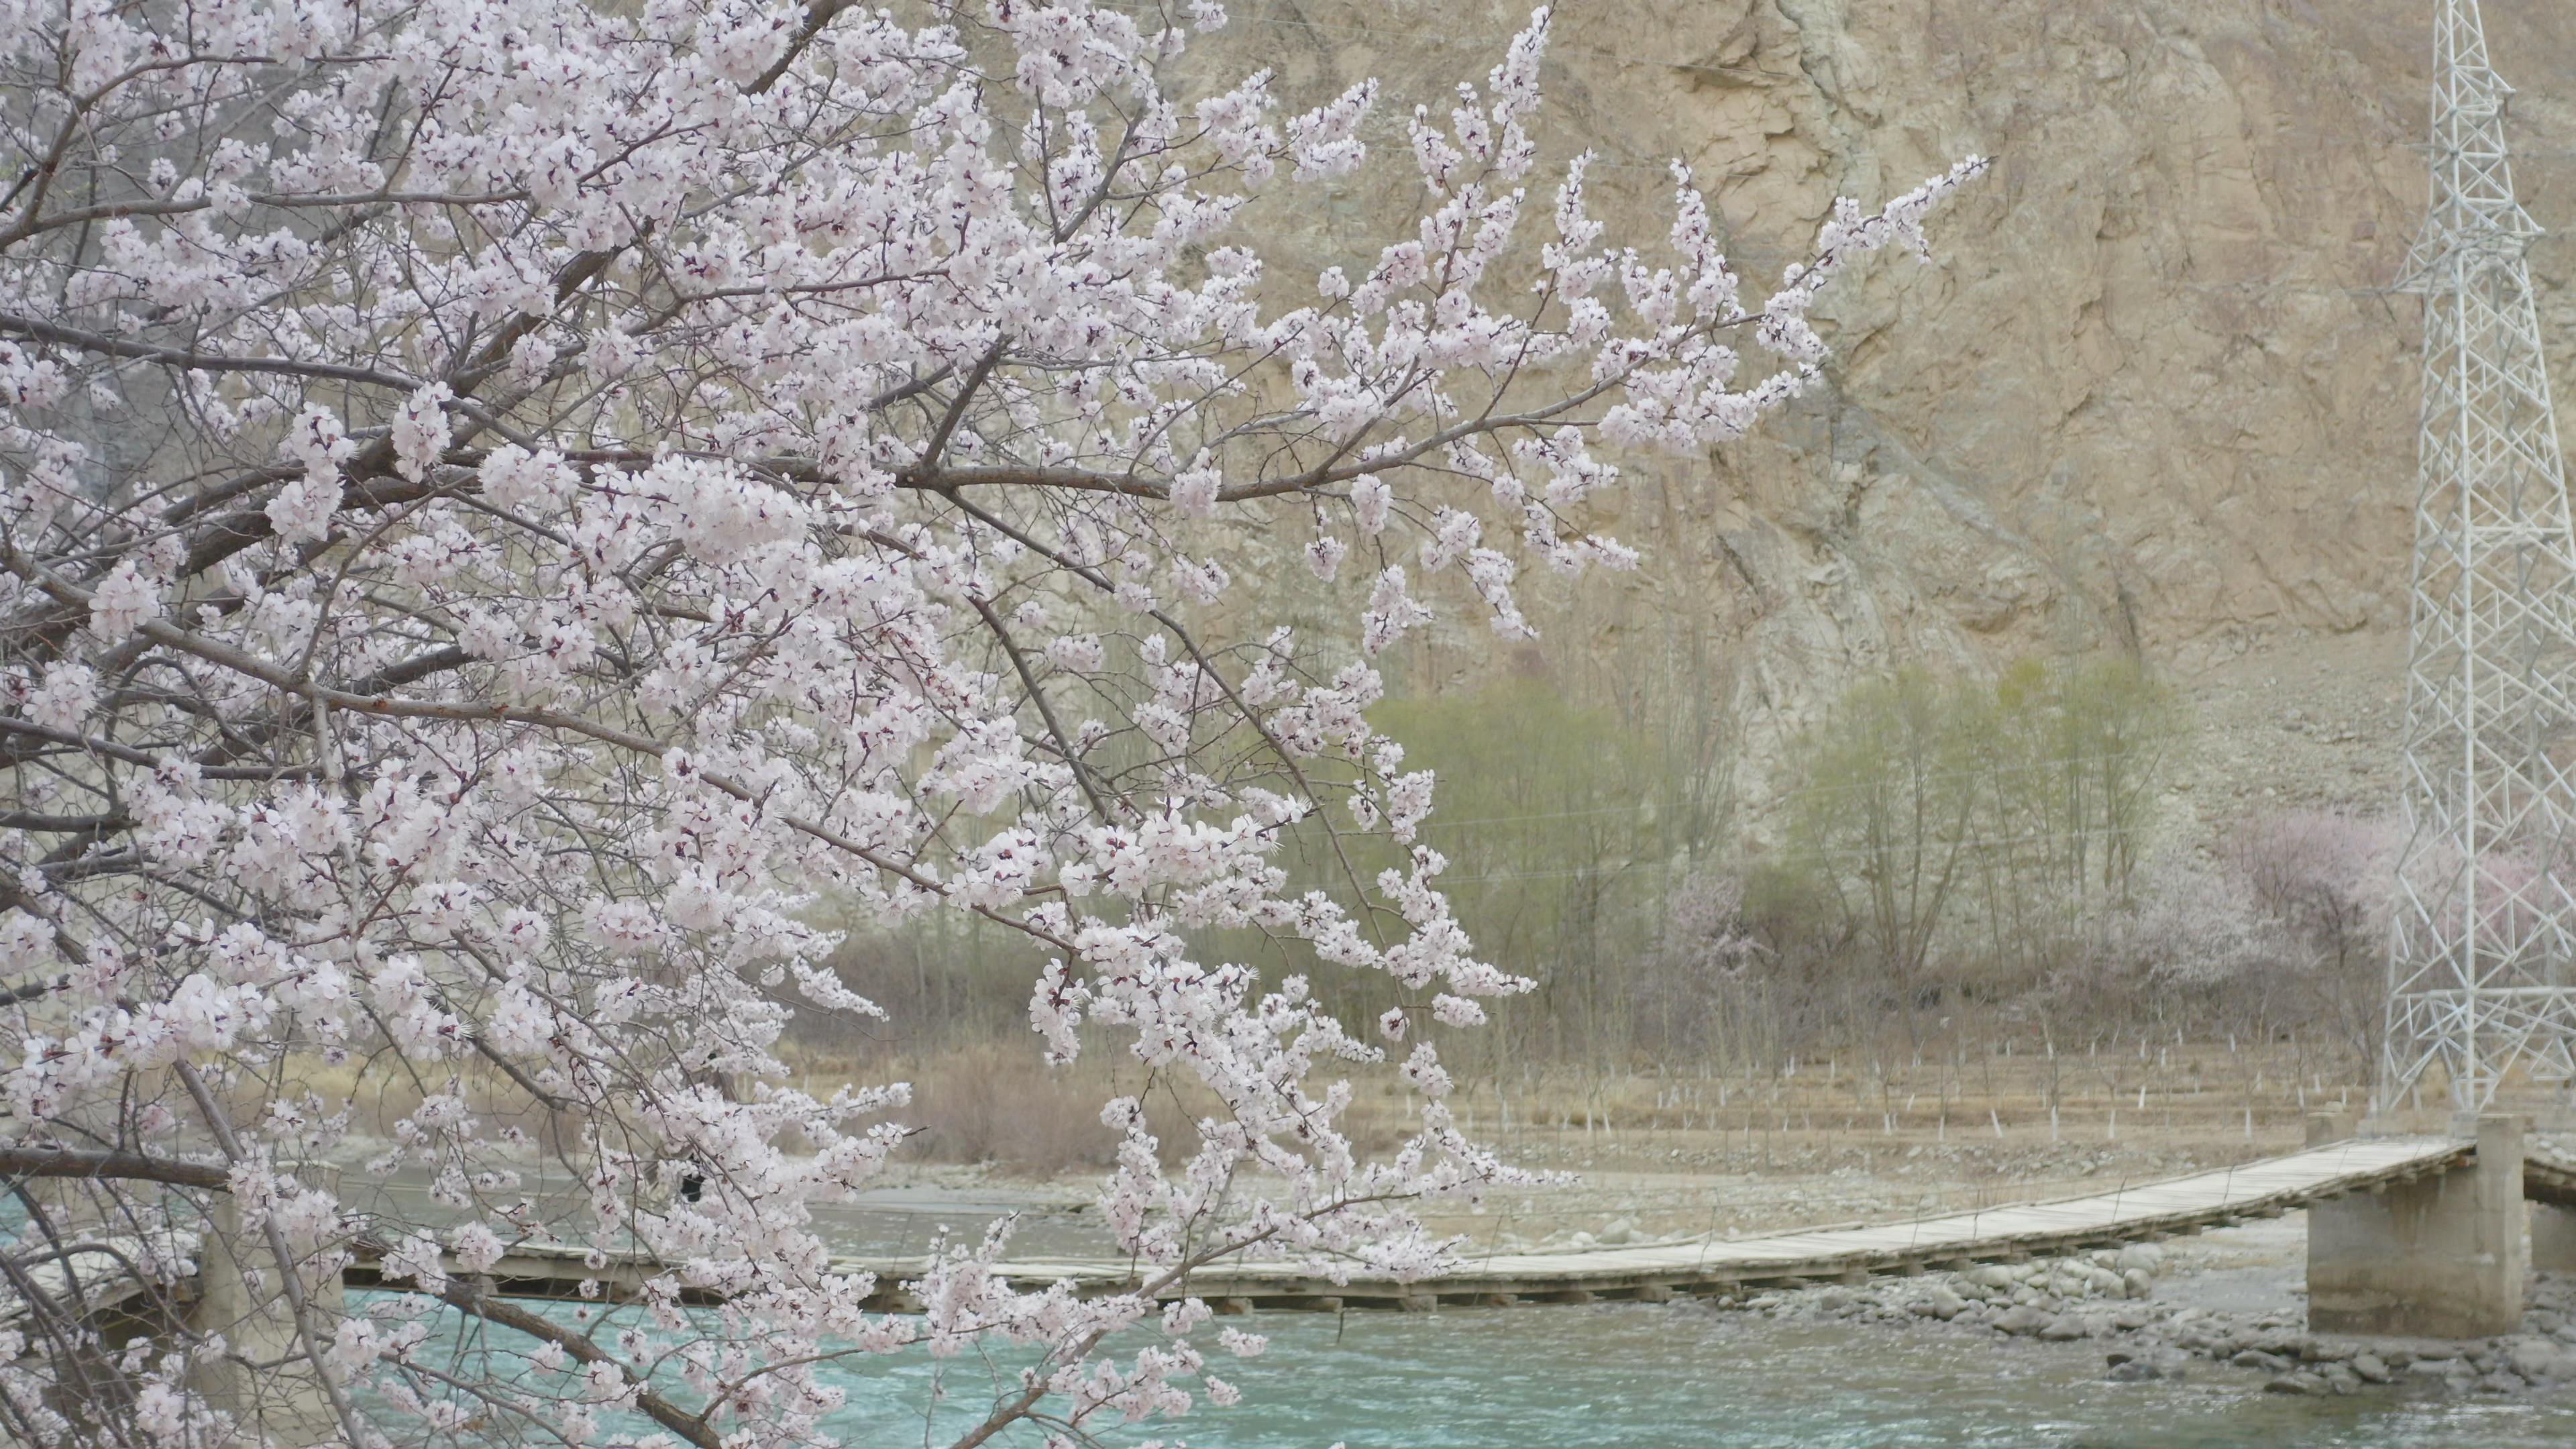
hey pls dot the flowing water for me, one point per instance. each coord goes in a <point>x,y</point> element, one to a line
<point>1637,1376</point>
<point>1640,1376</point>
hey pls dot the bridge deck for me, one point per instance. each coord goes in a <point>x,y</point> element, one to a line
<point>2129,1213</point>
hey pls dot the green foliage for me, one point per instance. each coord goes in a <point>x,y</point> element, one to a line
<point>1567,820</point>
<point>1942,822</point>
<point>1887,809</point>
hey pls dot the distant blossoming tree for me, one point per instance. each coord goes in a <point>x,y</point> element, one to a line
<point>506,504</point>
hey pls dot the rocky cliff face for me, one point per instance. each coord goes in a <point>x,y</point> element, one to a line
<point>2155,394</point>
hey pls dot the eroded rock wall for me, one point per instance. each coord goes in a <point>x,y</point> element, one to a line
<point>2154,394</point>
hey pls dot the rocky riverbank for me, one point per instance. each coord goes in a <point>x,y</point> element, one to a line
<point>2224,1305</point>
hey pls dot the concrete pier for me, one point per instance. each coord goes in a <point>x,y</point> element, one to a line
<point>263,1379</point>
<point>2553,1238</point>
<point>2442,1256</point>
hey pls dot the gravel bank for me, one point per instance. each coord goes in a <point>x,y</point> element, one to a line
<point>2229,1302</point>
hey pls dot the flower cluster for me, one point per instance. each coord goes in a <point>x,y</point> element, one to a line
<point>510,508</point>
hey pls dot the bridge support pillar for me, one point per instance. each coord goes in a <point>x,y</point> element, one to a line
<point>264,1381</point>
<point>2553,1238</point>
<point>2443,1256</point>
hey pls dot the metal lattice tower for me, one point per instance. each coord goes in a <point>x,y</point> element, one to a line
<point>2484,929</point>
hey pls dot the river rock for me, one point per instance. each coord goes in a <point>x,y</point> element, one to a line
<point>2341,1379</point>
<point>2299,1382</point>
<point>2144,1258</point>
<point>2539,1360</point>
<point>2503,1381</point>
<point>2138,1283</point>
<point>2132,1319</point>
<point>2255,1358</point>
<point>2372,1368</point>
<point>2065,1328</point>
<point>1619,1231</point>
<point>1942,1304</point>
<point>2440,1368</point>
<point>2023,1319</point>
<point>1990,1275</point>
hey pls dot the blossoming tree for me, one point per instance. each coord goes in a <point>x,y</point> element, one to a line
<point>507,504</point>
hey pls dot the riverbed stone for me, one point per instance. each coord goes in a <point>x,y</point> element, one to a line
<point>2255,1358</point>
<point>2503,1381</point>
<point>2144,1258</point>
<point>2138,1283</point>
<point>2539,1360</point>
<point>2065,1328</point>
<point>2023,1319</point>
<point>2296,1382</point>
<point>2372,1368</point>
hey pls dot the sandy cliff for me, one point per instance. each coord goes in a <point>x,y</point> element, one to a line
<point>2155,394</point>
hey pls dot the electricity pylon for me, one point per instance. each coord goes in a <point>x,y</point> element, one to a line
<point>2483,934</point>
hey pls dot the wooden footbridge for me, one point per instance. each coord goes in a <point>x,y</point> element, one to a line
<point>1709,1265</point>
<point>1705,1265</point>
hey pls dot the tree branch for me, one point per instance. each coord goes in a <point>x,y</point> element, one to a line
<point>38,1161</point>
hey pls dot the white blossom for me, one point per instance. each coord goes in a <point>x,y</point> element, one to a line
<point>631,485</point>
